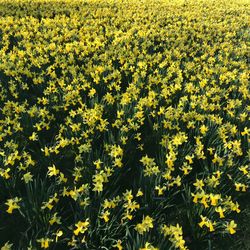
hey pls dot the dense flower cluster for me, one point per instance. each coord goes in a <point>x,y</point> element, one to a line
<point>123,124</point>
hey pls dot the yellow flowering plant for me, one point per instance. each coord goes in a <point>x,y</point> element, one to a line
<point>124,124</point>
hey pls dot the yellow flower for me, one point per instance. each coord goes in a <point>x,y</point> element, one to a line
<point>105,216</point>
<point>189,158</point>
<point>146,161</point>
<point>210,150</point>
<point>75,127</point>
<point>230,227</point>
<point>27,177</point>
<point>62,178</point>
<point>213,181</point>
<point>246,131</point>
<point>160,190</point>
<point>6,246</point>
<point>203,129</point>
<point>34,137</point>
<point>196,196</point>
<point>46,151</point>
<point>49,204</point>
<point>214,199</point>
<point>244,170</point>
<point>53,171</point>
<point>177,181</point>
<point>176,235</point>
<point>241,186</point>
<point>58,234</point>
<point>5,173</point>
<point>116,151</point>
<point>54,219</point>
<point>237,186</point>
<point>12,204</point>
<point>146,224</point>
<point>81,227</point>
<point>186,169</point>
<point>139,193</point>
<point>98,163</point>
<point>118,245</point>
<point>210,225</point>
<point>206,222</point>
<point>234,206</point>
<point>44,242</point>
<point>218,160</point>
<point>203,200</point>
<point>148,246</point>
<point>221,211</point>
<point>203,221</point>
<point>199,184</point>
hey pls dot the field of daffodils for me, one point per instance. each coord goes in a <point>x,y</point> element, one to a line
<point>124,124</point>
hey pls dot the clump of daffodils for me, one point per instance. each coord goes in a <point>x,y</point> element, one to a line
<point>123,121</point>
<point>145,225</point>
<point>175,235</point>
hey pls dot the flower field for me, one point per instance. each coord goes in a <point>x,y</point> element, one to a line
<point>124,124</point>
